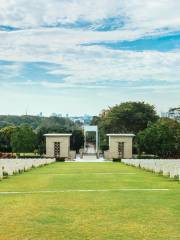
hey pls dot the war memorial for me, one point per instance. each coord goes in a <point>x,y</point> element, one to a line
<point>120,145</point>
<point>89,120</point>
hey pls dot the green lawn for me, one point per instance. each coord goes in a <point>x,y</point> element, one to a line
<point>111,214</point>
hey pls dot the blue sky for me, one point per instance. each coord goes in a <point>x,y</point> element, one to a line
<point>76,56</point>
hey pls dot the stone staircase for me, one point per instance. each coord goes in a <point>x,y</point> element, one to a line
<point>89,157</point>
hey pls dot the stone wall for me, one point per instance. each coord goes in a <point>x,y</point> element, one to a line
<point>64,146</point>
<point>113,146</point>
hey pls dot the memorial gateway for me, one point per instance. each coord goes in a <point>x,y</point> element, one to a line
<point>120,145</point>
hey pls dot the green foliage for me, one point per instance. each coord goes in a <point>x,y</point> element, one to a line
<point>128,117</point>
<point>96,120</point>
<point>29,156</point>
<point>77,140</point>
<point>116,159</point>
<point>104,147</point>
<point>91,137</point>
<point>37,122</point>
<point>5,138</point>
<point>147,157</point>
<point>161,138</point>
<point>10,120</point>
<point>23,140</point>
<point>40,126</point>
<point>57,124</point>
<point>60,159</point>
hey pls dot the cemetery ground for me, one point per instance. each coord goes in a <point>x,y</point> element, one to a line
<point>83,201</point>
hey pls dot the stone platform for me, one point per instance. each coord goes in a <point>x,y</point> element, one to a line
<point>89,158</point>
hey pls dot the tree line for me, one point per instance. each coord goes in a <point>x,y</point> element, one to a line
<point>154,135</point>
<point>25,134</point>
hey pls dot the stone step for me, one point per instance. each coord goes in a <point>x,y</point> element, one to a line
<point>89,157</point>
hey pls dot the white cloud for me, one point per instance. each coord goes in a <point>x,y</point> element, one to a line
<point>90,64</point>
<point>24,13</point>
<point>103,65</point>
<point>137,14</point>
<point>9,70</point>
<point>152,14</point>
<point>87,64</point>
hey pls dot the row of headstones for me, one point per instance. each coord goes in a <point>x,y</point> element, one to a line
<point>8,167</point>
<point>168,167</point>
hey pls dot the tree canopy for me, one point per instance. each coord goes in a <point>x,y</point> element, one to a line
<point>77,140</point>
<point>5,138</point>
<point>35,121</point>
<point>23,140</point>
<point>39,125</point>
<point>161,138</point>
<point>127,117</point>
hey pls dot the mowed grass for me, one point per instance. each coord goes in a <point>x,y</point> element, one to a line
<point>115,214</point>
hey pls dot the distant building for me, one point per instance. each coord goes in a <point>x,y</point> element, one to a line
<point>86,119</point>
<point>40,114</point>
<point>56,115</point>
<point>164,114</point>
<point>173,113</point>
<point>60,115</point>
<point>77,119</point>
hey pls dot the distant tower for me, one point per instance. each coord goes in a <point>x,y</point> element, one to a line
<point>26,111</point>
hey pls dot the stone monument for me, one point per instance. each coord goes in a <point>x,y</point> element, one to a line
<point>120,146</point>
<point>58,145</point>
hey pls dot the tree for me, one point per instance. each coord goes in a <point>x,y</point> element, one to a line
<point>23,140</point>
<point>5,138</point>
<point>96,120</point>
<point>41,146</point>
<point>127,117</point>
<point>77,140</point>
<point>161,139</point>
<point>36,122</point>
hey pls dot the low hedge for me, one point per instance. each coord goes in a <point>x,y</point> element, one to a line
<point>116,159</point>
<point>60,159</point>
<point>147,157</point>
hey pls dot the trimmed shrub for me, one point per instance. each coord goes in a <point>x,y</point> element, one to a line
<point>60,159</point>
<point>147,157</point>
<point>30,156</point>
<point>116,159</point>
